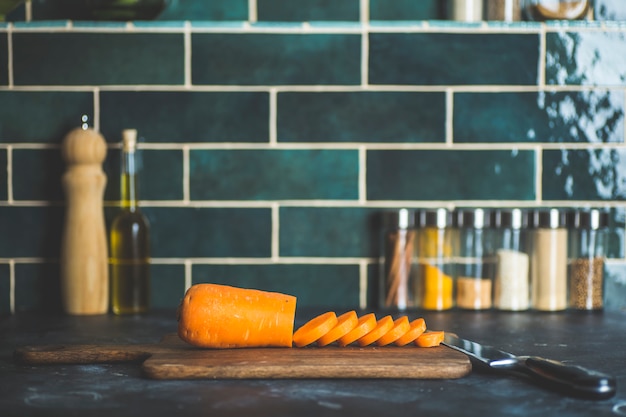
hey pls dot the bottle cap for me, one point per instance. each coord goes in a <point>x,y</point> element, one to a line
<point>549,218</point>
<point>588,219</point>
<point>399,219</point>
<point>439,218</point>
<point>514,218</point>
<point>476,218</point>
<point>129,139</point>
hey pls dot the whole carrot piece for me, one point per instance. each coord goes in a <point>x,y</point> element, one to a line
<point>221,316</point>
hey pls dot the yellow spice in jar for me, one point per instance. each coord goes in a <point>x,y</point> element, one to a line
<point>437,288</point>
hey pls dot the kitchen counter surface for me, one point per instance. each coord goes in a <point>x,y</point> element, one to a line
<point>594,341</point>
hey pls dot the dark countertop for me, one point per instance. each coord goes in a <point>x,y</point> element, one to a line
<point>594,341</point>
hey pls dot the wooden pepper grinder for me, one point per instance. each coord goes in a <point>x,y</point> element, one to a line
<point>84,255</point>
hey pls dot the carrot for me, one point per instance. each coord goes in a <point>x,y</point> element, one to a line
<point>315,328</point>
<point>400,326</point>
<point>417,327</point>
<point>366,324</point>
<point>345,323</point>
<point>382,326</point>
<point>221,316</point>
<point>430,339</point>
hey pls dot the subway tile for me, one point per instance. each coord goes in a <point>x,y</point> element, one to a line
<point>186,116</point>
<point>451,175</point>
<point>328,231</point>
<point>283,174</point>
<point>37,287</point>
<point>42,116</point>
<point>167,285</point>
<point>277,59</point>
<point>307,10</point>
<point>405,10</point>
<point>4,188</point>
<point>453,58</point>
<point>182,232</point>
<point>5,289</point>
<point>361,117</point>
<point>35,232</point>
<point>314,285</point>
<point>37,174</point>
<point>159,174</point>
<point>4,59</point>
<point>609,10</point>
<point>72,58</point>
<point>592,116</point>
<point>584,174</point>
<point>595,58</point>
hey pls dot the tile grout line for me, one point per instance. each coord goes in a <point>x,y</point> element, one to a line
<point>541,70</point>
<point>187,56</point>
<point>449,128</point>
<point>10,200</point>
<point>362,175</point>
<point>363,287</point>
<point>252,11</point>
<point>364,17</point>
<point>538,175</point>
<point>188,272</point>
<point>10,55</point>
<point>275,234</point>
<point>186,176</point>
<point>96,109</point>
<point>273,117</point>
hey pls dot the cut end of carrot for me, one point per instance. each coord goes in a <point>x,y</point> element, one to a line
<point>430,339</point>
<point>312,330</point>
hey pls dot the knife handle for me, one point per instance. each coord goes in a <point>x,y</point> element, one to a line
<point>571,379</point>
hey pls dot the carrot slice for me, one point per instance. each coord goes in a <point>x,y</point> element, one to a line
<point>418,326</point>
<point>221,316</point>
<point>382,326</point>
<point>345,323</point>
<point>315,328</point>
<point>366,324</point>
<point>400,327</point>
<point>430,339</point>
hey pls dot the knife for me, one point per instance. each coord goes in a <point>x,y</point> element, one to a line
<point>568,379</point>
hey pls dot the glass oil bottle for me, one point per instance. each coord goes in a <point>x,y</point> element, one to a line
<point>130,241</point>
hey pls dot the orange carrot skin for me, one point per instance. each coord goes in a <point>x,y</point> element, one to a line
<point>417,327</point>
<point>400,327</point>
<point>221,316</point>
<point>315,328</point>
<point>345,323</point>
<point>430,339</point>
<point>366,324</point>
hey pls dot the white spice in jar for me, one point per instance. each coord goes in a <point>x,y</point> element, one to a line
<point>511,290</point>
<point>549,269</point>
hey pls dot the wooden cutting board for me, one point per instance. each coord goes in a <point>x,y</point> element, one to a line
<point>174,359</point>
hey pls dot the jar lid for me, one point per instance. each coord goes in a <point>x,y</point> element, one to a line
<point>440,218</point>
<point>514,218</point>
<point>477,218</point>
<point>588,219</point>
<point>399,219</point>
<point>549,218</point>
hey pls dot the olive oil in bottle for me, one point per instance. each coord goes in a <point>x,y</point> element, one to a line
<point>130,241</point>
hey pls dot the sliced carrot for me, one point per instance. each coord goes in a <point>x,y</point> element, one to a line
<point>345,323</point>
<point>417,327</point>
<point>430,339</point>
<point>366,324</point>
<point>382,326</point>
<point>315,328</point>
<point>400,327</point>
<point>221,316</point>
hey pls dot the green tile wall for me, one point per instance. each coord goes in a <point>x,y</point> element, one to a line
<point>272,135</point>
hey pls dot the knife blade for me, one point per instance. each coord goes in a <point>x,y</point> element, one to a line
<point>569,379</point>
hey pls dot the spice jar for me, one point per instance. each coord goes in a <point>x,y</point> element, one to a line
<point>588,239</point>
<point>397,272</point>
<point>435,249</point>
<point>542,10</point>
<point>476,259</point>
<point>511,282</point>
<point>548,278</point>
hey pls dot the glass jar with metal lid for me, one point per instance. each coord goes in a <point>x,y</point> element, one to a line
<point>588,239</point>
<point>397,274</point>
<point>548,277</point>
<point>476,261</point>
<point>437,244</point>
<point>511,281</point>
